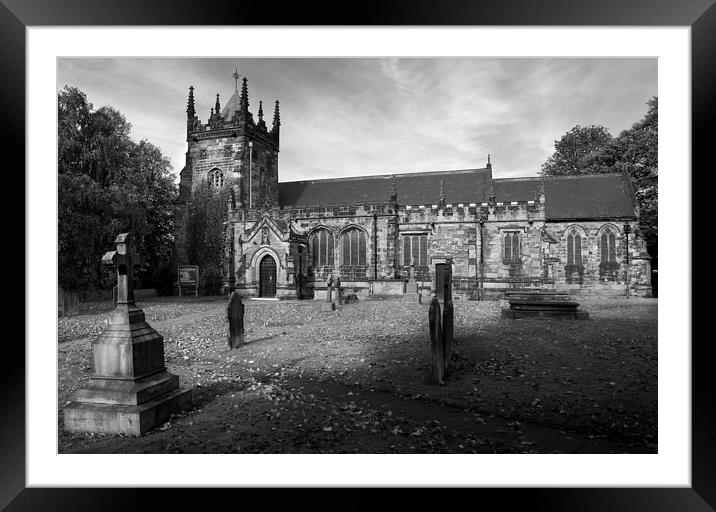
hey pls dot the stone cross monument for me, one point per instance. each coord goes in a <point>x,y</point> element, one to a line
<point>329,305</point>
<point>412,294</point>
<point>130,390</point>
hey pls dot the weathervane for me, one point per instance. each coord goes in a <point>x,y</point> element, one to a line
<point>235,75</point>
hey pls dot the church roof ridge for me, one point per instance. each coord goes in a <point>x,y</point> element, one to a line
<point>390,175</point>
<point>519,178</point>
<point>583,176</point>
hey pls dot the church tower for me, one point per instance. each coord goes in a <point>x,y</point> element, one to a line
<point>233,149</point>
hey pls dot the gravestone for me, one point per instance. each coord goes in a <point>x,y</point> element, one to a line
<point>329,305</point>
<point>436,341</point>
<point>412,294</point>
<point>441,325</point>
<point>235,316</point>
<point>130,390</point>
<point>541,304</point>
<point>339,292</point>
<point>68,303</point>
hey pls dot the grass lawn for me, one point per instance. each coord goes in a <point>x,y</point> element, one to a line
<point>358,380</point>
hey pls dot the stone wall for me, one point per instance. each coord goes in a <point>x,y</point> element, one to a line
<point>596,276</point>
<point>482,268</point>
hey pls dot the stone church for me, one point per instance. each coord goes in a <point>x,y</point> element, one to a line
<point>574,234</point>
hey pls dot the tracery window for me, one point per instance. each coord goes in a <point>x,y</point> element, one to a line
<point>321,244</point>
<point>353,253</point>
<point>574,248</point>
<point>216,178</point>
<point>511,247</point>
<point>609,249</point>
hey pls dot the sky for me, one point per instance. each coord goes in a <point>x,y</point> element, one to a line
<point>362,116</point>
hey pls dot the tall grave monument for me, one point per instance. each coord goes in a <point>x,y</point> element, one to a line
<point>130,391</point>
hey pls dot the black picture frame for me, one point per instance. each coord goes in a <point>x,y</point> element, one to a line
<point>16,15</point>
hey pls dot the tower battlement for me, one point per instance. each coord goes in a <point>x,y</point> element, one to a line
<point>233,149</point>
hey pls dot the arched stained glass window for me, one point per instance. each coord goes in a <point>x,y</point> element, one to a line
<point>321,244</point>
<point>574,248</point>
<point>609,250</point>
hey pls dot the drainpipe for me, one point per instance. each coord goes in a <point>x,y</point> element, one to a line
<point>251,188</point>
<point>482,261</point>
<point>375,246</point>
<point>627,230</point>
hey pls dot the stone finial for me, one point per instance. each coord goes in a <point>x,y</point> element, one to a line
<point>276,117</point>
<point>441,198</point>
<point>244,94</point>
<point>190,111</point>
<point>489,165</point>
<point>491,193</point>
<point>261,124</point>
<point>393,190</point>
<point>217,108</point>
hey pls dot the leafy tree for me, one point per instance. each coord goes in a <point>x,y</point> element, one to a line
<point>108,184</point>
<point>591,150</point>
<point>206,232</point>
<point>636,151</point>
<point>582,150</point>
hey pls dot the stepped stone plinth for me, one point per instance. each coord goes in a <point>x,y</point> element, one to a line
<point>130,391</point>
<point>532,304</point>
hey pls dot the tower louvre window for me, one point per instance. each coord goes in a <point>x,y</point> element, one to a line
<point>216,178</point>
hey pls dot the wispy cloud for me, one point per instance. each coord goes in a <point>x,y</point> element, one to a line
<point>346,117</point>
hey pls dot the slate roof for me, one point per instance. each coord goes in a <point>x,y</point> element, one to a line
<point>588,197</point>
<point>462,186</point>
<point>566,197</point>
<point>516,189</point>
<point>573,197</point>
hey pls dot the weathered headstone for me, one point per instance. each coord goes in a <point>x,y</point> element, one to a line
<point>235,316</point>
<point>329,305</point>
<point>130,390</point>
<point>436,341</point>
<point>68,303</point>
<point>339,291</point>
<point>441,326</point>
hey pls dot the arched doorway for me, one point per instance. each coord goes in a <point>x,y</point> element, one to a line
<point>267,277</point>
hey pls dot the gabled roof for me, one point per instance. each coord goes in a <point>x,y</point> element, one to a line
<point>572,197</point>
<point>566,197</point>
<point>461,186</point>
